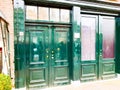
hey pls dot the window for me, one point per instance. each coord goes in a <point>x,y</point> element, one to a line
<point>43,13</point>
<point>47,14</point>
<point>108,30</point>
<point>31,12</point>
<point>4,41</point>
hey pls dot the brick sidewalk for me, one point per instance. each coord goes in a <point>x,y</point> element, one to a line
<point>113,84</point>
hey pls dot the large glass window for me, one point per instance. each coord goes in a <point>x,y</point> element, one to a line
<point>47,14</point>
<point>88,38</point>
<point>108,30</point>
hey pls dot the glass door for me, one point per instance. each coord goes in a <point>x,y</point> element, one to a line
<point>89,51</point>
<point>97,47</point>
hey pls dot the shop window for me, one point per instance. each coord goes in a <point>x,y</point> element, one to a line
<point>88,38</point>
<point>31,12</point>
<point>108,29</point>
<point>43,13</point>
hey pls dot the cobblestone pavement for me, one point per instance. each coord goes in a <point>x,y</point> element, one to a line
<point>113,84</point>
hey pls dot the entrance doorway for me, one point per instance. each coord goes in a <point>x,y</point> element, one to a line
<point>97,47</point>
<point>47,55</point>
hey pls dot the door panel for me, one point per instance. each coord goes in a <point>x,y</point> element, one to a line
<point>88,47</point>
<point>88,38</point>
<point>108,41</point>
<point>61,72</point>
<point>47,56</point>
<point>97,47</point>
<point>37,65</point>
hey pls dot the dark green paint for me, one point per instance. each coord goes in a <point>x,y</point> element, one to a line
<point>117,49</point>
<point>99,68</point>
<point>76,42</point>
<point>19,44</point>
<point>53,68</point>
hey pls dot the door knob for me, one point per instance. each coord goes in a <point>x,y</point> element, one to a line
<point>47,56</point>
<point>52,57</point>
<point>52,51</point>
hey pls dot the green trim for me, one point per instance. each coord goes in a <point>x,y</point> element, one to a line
<point>89,4</point>
<point>117,49</point>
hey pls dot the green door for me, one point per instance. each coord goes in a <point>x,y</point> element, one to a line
<point>47,56</point>
<point>97,47</point>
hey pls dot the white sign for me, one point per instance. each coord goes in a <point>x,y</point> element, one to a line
<point>76,35</point>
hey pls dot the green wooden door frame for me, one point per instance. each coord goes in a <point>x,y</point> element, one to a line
<point>89,68</point>
<point>57,67</point>
<point>102,68</point>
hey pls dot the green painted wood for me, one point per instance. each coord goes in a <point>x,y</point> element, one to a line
<point>100,42</point>
<point>76,42</point>
<point>51,66</point>
<point>100,68</point>
<point>19,43</point>
<point>106,65</point>
<point>117,50</point>
<point>89,68</point>
<point>37,65</point>
<point>59,56</point>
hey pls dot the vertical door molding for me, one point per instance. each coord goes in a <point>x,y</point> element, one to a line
<point>76,42</point>
<point>100,51</point>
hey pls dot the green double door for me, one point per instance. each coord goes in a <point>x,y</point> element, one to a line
<point>47,55</point>
<point>97,47</point>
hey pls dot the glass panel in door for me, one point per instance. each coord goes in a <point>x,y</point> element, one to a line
<point>88,32</point>
<point>108,27</point>
<point>61,66</point>
<point>37,65</point>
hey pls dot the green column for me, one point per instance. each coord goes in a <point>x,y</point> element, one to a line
<point>19,43</point>
<point>117,53</point>
<point>76,42</point>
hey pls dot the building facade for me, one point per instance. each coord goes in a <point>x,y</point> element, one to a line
<point>62,41</point>
<point>6,38</point>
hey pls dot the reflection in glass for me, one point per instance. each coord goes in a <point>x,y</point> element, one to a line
<point>36,47</point>
<point>65,15</point>
<point>31,12</point>
<point>43,13</point>
<point>61,52</point>
<point>88,38</point>
<point>54,14</point>
<point>108,29</point>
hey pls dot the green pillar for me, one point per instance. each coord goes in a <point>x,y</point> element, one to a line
<point>19,43</point>
<point>117,53</point>
<point>76,42</point>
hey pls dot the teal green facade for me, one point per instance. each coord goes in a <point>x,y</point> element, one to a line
<point>77,70</point>
<point>19,28</point>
